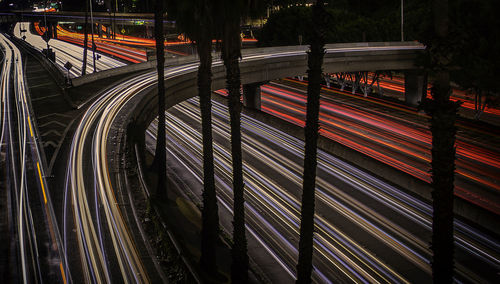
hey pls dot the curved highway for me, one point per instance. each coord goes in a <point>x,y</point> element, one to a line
<point>367,230</point>
<point>88,177</point>
<point>33,223</point>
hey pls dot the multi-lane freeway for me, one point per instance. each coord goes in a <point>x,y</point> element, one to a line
<point>103,236</point>
<point>366,229</point>
<point>66,52</point>
<point>395,135</point>
<point>35,246</point>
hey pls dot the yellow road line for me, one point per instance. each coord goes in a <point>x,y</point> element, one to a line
<point>41,182</point>
<point>29,123</point>
<point>62,273</point>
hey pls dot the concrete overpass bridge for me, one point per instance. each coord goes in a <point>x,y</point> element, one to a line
<point>261,65</point>
<point>113,21</point>
<point>79,17</point>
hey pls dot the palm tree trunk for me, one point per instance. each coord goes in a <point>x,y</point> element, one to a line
<point>231,50</point>
<point>85,38</point>
<point>160,161</point>
<point>210,215</point>
<point>443,132</point>
<point>315,62</point>
<point>443,115</point>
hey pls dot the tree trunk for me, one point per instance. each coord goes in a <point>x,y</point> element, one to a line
<point>315,62</point>
<point>210,215</point>
<point>443,115</point>
<point>160,160</point>
<point>85,38</point>
<point>231,50</point>
<point>443,132</point>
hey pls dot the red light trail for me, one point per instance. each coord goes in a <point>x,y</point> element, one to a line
<point>396,141</point>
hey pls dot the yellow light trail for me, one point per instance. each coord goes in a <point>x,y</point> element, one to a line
<point>41,182</point>
<point>62,272</point>
<point>29,123</point>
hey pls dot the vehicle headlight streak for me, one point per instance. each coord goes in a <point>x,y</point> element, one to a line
<point>398,142</point>
<point>286,208</point>
<point>102,113</point>
<point>355,261</point>
<point>25,224</point>
<point>66,52</point>
<point>4,89</point>
<point>387,231</point>
<point>9,63</point>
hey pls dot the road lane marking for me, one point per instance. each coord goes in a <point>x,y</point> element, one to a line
<point>29,123</point>
<point>62,272</point>
<point>41,182</point>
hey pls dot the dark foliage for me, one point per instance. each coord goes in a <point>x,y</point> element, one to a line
<point>285,26</point>
<point>477,62</point>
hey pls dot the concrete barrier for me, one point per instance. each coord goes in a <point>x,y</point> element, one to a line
<point>132,68</point>
<point>349,54</point>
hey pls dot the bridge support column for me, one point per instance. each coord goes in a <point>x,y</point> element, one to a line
<point>415,86</point>
<point>251,95</point>
<point>52,29</point>
<point>327,80</point>
<point>55,29</point>
<point>99,30</point>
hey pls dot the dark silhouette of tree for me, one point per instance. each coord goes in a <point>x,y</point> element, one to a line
<point>210,229</point>
<point>314,62</point>
<point>443,114</point>
<point>290,24</point>
<point>195,19</point>
<point>478,61</point>
<point>231,52</point>
<point>85,38</point>
<point>160,160</point>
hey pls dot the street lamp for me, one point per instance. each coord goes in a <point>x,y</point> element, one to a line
<point>92,24</point>
<point>114,20</point>
<point>402,35</point>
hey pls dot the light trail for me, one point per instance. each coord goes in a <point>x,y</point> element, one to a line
<point>28,154</point>
<point>257,174</point>
<point>123,46</point>
<point>396,84</point>
<point>400,143</point>
<point>388,232</point>
<point>66,52</point>
<point>101,115</point>
<point>273,200</point>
